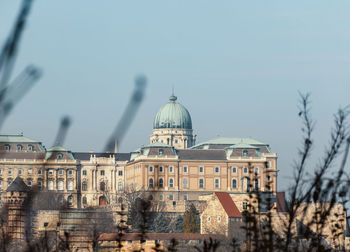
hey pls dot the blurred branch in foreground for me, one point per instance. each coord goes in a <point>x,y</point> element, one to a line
<point>62,131</point>
<point>9,51</point>
<point>129,113</point>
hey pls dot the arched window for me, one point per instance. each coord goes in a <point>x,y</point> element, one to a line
<point>60,185</point>
<point>234,183</point>
<point>234,170</point>
<point>70,185</point>
<point>59,156</point>
<point>84,186</point>
<point>150,183</point>
<point>84,200</point>
<point>120,186</point>
<point>70,200</point>
<point>171,182</point>
<point>245,153</point>
<point>30,147</point>
<point>50,185</point>
<point>102,186</point>
<point>161,183</point>
<point>245,170</point>
<point>7,147</point>
<point>19,147</point>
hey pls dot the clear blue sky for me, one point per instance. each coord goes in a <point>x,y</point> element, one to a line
<point>236,65</point>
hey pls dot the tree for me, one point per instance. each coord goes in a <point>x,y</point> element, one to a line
<point>191,220</point>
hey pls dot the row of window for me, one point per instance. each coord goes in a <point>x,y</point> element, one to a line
<point>201,169</point>
<point>19,147</point>
<point>102,173</point>
<point>84,186</point>
<point>29,182</point>
<point>185,183</point>
<point>51,172</point>
<point>60,185</point>
<point>39,171</point>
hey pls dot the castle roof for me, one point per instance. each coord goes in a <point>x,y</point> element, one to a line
<point>228,204</point>
<point>172,115</point>
<point>18,185</point>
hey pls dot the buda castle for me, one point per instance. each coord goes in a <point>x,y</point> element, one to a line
<point>172,167</point>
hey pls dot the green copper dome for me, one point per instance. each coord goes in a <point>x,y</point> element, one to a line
<point>172,115</point>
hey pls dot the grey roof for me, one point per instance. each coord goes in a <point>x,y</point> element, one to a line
<point>87,155</point>
<point>158,144</point>
<point>189,154</point>
<point>57,148</point>
<point>243,146</point>
<point>18,185</point>
<point>16,139</point>
<point>226,141</point>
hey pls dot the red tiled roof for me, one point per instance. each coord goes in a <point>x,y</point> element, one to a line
<point>228,204</point>
<point>158,236</point>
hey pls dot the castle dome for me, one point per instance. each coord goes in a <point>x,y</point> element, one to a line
<point>172,115</point>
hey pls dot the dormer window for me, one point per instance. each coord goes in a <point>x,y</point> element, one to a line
<point>30,148</point>
<point>245,153</point>
<point>19,147</point>
<point>7,147</point>
<point>160,152</point>
<point>59,156</point>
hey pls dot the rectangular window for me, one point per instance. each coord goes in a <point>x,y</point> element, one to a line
<point>245,170</point>
<point>245,205</point>
<point>171,169</point>
<point>9,171</point>
<point>151,169</point>
<point>30,171</point>
<point>70,172</point>
<point>102,172</point>
<point>234,170</point>
<point>201,183</point>
<point>185,197</point>
<point>40,183</point>
<point>268,178</point>
<point>201,169</point>
<point>160,168</point>
<point>171,197</point>
<point>39,171</point>
<point>19,171</point>
<point>120,173</point>
<point>217,169</point>
<point>268,164</point>
<point>217,183</point>
<point>185,183</point>
<point>245,153</point>
<point>60,172</point>
<point>160,152</point>
<point>256,170</point>
<point>185,169</point>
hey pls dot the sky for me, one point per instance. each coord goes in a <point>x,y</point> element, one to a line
<point>237,66</point>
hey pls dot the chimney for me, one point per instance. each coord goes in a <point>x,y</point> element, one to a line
<point>116,146</point>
